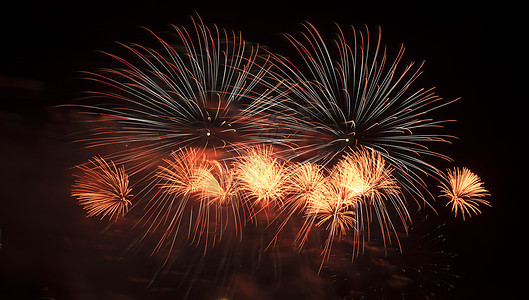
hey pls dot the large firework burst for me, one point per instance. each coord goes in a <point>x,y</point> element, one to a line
<point>355,96</point>
<point>195,90</point>
<point>199,88</point>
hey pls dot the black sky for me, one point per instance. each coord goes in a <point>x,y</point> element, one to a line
<point>472,50</point>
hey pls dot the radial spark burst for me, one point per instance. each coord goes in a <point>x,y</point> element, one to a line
<point>364,175</point>
<point>262,177</point>
<point>360,189</point>
<point>464,191</point>
<point>216,184</point>
<point>306,182</point>
<point>335,212</point>
<point>346,93</point>
<point>197,88</point>
<point>184,172</point>
<point>197,194</point>
<point>103,189</point>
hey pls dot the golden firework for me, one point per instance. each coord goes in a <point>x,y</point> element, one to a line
<point>183,172</point>
<point>359,189</point>
<point>216,184</point>
<point>365,174</point>
<point>306,182</point>
<point>261,176</point>
<point>103,189</point>
<point>465,192</point>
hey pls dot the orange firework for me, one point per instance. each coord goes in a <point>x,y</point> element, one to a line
<point>178,182</point>
<point>261,176</point>
<point>215,185</point>
<point>365,174</point>
<point>181,178</point>
<point>217,189</point>
<point>306,183</point>
<point>336,210</point>
<point>103,189</point>
<point>183,172</point>
<point>359,187</point>
<point>465,191</point>
<point>190,175</point>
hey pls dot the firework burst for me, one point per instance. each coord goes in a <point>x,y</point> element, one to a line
<point>336,211</point>
<point>261,178</point>
<point>355,96</point>
<point>465,192</point>
<point>216,185</point>
<point>306,183</point>
<point>103,189</point>
<point>196,193</point>
<point>200,88</point>
<point>364,175</point>
<point>358,190</point>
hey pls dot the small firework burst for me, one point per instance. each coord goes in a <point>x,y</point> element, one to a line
<point>364,175</point>
<point>218,191</point>
<point>103,189</point>
<point>194,188</point>
<point>306,182</point>
<point>184,172</point>
<point>464,191</point>
<point>336,211</point>
<point>216,185</point>
<point>358,190</point>
<point>261,177</point>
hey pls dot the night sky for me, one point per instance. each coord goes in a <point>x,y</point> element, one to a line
<point>473,51</point>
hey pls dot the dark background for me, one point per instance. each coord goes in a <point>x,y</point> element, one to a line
<point>472,50</point>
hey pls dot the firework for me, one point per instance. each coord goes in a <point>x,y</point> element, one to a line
<point>336,211</point>
<point>197,190</point>
<point>184,172</point>
<point>359,188</point>
<point>306,181</point>
<point>303,183</point>
<point>261,177</point>
<point>355,96</point>
<point>216,185</point>
<point>364,175</point>
<point>465,192</point>
<point>199,89</point>
<point>218,189</point>
<point>103,189</point>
